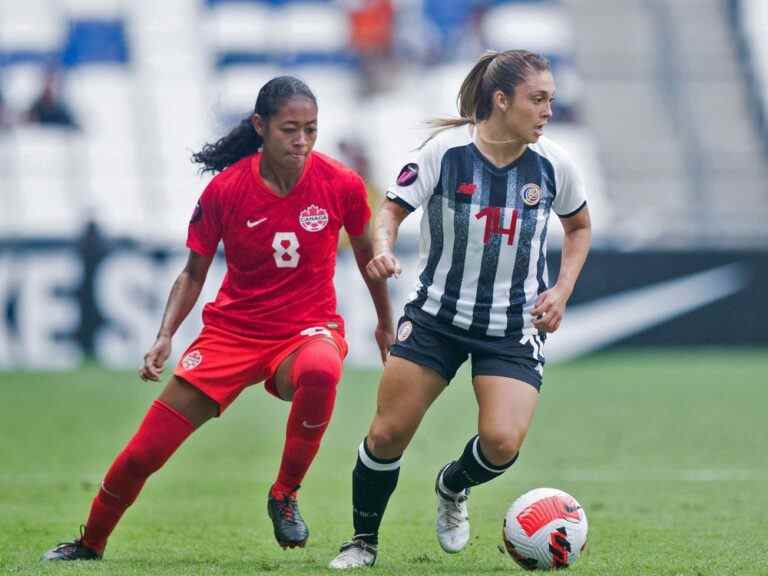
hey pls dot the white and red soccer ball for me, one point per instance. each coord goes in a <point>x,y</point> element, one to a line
<point>545,529</point>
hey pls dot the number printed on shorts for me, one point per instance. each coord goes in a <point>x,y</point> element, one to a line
<point>286,247</point>
<point>316,331</point>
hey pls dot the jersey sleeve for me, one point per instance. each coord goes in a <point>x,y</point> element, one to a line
<point>418,178</point>
<point>205,227</point>
<point>358,212</point>
<point>571,195</point>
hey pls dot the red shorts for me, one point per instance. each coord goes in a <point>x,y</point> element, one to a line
<point>221,364</point>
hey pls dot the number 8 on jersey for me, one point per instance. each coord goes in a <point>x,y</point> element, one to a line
<point>286,246</point>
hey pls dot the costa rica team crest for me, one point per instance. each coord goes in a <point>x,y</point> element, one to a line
<point>313,218</point>
<point>531,194</point>
<point>404,331</point>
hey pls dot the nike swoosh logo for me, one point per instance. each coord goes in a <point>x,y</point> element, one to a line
<point>254,223</point>
<point>310,426</point>
<point>593,325</point>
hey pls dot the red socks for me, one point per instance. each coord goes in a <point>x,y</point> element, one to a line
<point>161,432</point>
<point>315,373</point>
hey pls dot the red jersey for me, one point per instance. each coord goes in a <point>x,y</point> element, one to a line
<point>280,251</point>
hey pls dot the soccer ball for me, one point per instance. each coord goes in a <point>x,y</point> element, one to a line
<point>545,529</point>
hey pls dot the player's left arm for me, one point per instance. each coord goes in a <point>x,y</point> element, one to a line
<point>550,306</point>
<point>362,247</point>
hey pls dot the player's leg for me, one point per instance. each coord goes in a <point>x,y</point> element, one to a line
<point>405,393</point>
<point>309,378</point>
<point>507,393</point>
<point>506,409</point>
<point>177,412</point>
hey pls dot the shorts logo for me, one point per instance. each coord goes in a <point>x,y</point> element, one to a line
<point>404,331</point>
<point>313,219</point>
<point>316,331</point>
<point>408,174</point>
<point>192,360</point>
<point>531,194</point>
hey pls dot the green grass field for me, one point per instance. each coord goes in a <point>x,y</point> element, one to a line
<point>667,452</point>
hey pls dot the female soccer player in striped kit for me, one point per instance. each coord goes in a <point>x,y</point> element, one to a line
<point>487,183</point>
<point>278,207</point>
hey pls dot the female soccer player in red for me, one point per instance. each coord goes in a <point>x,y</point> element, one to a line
<point>277,206</point>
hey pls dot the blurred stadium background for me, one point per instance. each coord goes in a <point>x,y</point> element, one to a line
<point>664,104</point>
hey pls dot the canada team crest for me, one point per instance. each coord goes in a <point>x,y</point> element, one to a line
<point>192,360</point>
<point>313,219</point>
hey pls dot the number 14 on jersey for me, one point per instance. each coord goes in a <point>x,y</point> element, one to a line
<point>494,226</point>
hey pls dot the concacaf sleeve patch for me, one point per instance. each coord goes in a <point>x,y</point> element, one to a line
<point>408,174</point>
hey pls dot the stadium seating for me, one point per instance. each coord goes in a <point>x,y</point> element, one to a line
<point>150,82</point>
<point>669,107</point>
<point>29,32</point>
<point>750,18</point>
<point>651,103</point>
<point>44,198</point>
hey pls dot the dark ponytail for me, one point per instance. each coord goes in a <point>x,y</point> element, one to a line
<point>493,71</point>
<point>243,140</point>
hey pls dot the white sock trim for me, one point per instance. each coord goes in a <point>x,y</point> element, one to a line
<point>444,489</point>
<point>368,462</point>
<point>479,459</point>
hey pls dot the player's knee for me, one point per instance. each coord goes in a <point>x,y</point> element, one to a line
<point>501,445</point>
<point>317,365</point>
<point>386,439</point>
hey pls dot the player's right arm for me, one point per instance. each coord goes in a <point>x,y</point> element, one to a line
<point>181,300</point>
<point>384,263</point>
<point>413,186</point>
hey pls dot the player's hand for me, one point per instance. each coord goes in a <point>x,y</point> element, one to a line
<point>385,337</point>
<point>549,309</point>
<point>154,360</point>
<point>383,266</point>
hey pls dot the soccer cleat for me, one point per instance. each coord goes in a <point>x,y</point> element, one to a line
<point>354,554</point>
<point>290,528</point>
<point>452,517</point>
<point>75,550</point>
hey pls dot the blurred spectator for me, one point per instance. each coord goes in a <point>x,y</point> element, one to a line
<point>458,23</point>
<point>4,120</point>
<point>416,38</point>
<point>371,31</point>
<point>49,107</point>
<point>470,39</point>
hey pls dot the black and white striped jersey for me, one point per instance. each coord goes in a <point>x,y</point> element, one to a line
<point>482,247</point>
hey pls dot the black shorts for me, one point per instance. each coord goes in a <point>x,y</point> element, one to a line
<point>426,341</point>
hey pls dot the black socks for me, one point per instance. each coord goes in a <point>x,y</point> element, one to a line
<point>373,481</point>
